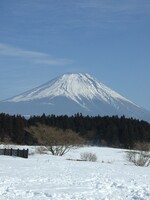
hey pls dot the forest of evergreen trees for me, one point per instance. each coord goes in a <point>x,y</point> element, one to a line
<point>102,131</point>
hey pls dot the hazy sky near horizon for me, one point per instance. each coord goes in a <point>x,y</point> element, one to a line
<point>109,39</point>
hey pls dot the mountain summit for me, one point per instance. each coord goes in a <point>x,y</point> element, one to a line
<point>74,87</point>
<point>72,93</point>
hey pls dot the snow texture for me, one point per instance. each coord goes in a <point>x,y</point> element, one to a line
<point>47,177</point>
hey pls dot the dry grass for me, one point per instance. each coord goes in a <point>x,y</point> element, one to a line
<point>140,156</point>
<point>87,156</point>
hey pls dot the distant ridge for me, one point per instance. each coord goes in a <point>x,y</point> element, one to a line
<point>72,93</point>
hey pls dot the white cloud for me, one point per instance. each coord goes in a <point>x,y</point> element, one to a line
<point>116,11</point>
<point>53,61</point>
<point>32,56</point>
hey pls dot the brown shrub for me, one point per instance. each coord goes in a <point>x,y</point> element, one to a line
<point>57,141</point>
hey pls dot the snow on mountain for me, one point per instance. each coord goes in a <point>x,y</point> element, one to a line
<point>72,93</point>
<point>73,86</point>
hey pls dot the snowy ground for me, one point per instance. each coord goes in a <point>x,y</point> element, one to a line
<point>46,177</point>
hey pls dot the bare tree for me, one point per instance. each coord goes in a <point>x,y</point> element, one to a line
<point>140,156</point>
<point>57,141</point>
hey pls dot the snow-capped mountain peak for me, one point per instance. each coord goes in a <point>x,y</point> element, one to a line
<point>74,86</point>
<point>72,93</point>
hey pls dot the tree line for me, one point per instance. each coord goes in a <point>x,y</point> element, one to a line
<point>96,130</point>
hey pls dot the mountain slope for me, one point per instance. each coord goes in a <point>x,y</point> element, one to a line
<point>72,93</point>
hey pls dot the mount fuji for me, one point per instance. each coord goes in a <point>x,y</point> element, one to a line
<point>73,93</point>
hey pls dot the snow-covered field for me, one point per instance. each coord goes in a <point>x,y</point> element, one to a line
<point>47,177</point>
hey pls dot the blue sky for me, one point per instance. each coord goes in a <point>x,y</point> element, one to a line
<point>109,39</point>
